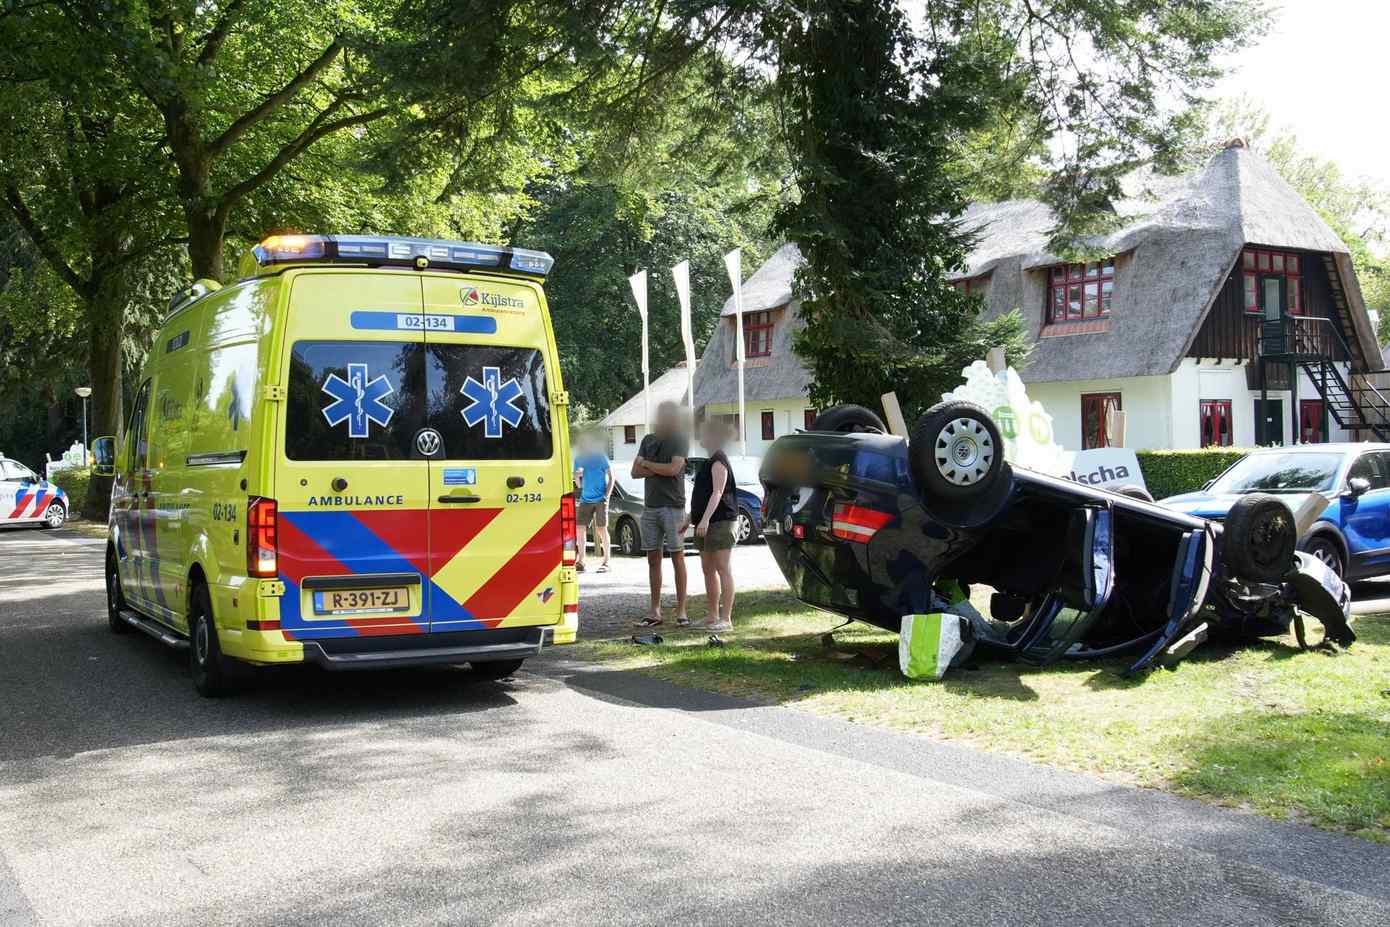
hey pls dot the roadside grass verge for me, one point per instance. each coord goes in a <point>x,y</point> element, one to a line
<point>1266,727</point>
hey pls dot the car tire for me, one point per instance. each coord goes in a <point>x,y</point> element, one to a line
<point>956,452</point>
<point>115,598</point>
<point>1260,538</point>
<point>211,674</point>
<point>55,515</point>
<point>1134,492</point>
<point>495,669</point>
<point>849,419</point>
<point>744,532</point>
<point>629,537</point>
<point>1326,549</point>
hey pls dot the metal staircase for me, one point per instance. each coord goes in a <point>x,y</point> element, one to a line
<point>1313,345</point>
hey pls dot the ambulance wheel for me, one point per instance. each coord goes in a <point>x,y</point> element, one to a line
<point>495,669</point>
<point>210,673</point>
<point>1259,538</point>
<point>956,452</point>
<point>55,515</point>
<point>629,538</point>
<point>115,598</point>
<point>849,419</point>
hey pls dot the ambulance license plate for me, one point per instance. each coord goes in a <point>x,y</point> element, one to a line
<point>352,601</point>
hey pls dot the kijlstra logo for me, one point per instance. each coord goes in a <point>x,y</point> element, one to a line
<point>472,296</point>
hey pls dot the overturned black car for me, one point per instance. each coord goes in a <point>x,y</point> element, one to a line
<point>866,525</point>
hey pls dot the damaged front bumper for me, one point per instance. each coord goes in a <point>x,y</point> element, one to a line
<point>1079,573</point>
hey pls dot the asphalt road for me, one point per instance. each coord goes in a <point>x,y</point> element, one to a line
<point>572,795</point>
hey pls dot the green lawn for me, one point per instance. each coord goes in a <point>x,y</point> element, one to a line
<point>1265,727</point>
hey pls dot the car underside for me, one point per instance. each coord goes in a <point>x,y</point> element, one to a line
<point>869,526</point>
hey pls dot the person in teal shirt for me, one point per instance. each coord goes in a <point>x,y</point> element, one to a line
<point>593,477</point>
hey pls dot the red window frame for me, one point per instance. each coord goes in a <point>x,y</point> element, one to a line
<point>769,426</point>
<point>1262,262</point>
<point>629,434</point>
<point>1093,408</point>
<point>808,417</point>
<point>1312,421</point>
<point>1077,292</point>
<point>1217,429</point>
<point>757,334</point>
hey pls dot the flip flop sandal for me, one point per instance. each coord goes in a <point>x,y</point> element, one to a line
<point>650,622</point>
<point>602,569</point>
<point>579,568</point>
<point>684,622</point>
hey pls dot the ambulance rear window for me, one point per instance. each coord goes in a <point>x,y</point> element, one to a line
<point>367,400</point>
<point>489,402</point>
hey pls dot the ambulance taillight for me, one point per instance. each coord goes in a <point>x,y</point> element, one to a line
<point>568,528</point>
<point>261,546</point>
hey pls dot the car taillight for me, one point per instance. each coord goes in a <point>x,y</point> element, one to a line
<point>261,546</point>
<point>763,505</point>
<point>856,523</point>
<point>568,528</point>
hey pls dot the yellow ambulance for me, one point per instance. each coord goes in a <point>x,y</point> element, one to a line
<point>357,455</point>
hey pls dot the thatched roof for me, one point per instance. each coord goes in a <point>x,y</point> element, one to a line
<point>1179,240</point>
<point>671,385</point>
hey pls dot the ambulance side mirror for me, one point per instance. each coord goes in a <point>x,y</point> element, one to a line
<point>104,456</point>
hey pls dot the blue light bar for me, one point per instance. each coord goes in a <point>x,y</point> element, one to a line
<point>390,250</point>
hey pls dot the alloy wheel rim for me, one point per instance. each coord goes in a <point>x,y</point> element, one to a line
<point>745,527</point>
<point>55,515</point>
<point>964,451</point>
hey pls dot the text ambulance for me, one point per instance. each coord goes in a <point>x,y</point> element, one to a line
<point>356,455</point>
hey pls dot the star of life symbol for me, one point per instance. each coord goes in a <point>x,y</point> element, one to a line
<point>358,400</point>
<point>494,402</point>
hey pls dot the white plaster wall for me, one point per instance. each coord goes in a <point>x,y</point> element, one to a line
<point>1146,401</point>
<point>787,416</point>
<point>1227,381</point>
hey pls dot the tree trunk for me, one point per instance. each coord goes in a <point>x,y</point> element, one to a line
<point>106,331</point>
<point>206,234</point>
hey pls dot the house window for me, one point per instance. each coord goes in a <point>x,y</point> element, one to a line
<point>807,418</point>
<point>971,286</point>
<point>769,432</point>
<point>1094,407</point>
<point>1216,422</point>
<point>1257,263</point>
<point>757,334</point>
<point>1080,291</point>
<point>629,434</point>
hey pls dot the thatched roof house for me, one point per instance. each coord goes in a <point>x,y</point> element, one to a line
<point>1222,310</point>
<point>628,423</point>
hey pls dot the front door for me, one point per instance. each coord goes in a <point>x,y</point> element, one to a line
<point>496,479</point>
<point>1312,421</point>
<point>350,480</point>
<point>1269,422</point>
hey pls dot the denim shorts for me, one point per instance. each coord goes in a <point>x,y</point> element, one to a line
<point>661,528</point>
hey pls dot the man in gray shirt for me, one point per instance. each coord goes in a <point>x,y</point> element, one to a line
<point>660,462</point>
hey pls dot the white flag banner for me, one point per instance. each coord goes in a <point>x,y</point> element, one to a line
<point>733,263</point>
<point>638,282</point>
<point>681,273</point>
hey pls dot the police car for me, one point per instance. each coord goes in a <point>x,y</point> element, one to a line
<point>27,499</point>
<point>357,455</point>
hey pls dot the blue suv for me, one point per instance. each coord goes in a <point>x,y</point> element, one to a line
<point>1352,533</point>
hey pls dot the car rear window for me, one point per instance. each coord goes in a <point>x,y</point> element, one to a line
<point>367,400</point>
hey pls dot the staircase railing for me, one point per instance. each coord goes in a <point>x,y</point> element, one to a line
<point>1312,338</point>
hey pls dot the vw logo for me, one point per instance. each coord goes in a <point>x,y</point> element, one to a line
<point>427,442</point>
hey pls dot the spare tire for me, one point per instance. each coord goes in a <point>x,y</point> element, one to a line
<point>1134,492</point>
<point>1260,538</point>
<point>956,452</point>
<point>849,419</point>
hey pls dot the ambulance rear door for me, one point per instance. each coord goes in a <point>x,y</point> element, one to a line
<point>497,478</point>
<point>351,484</point>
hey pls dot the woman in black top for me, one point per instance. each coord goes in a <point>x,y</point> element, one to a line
<point>713,507</point>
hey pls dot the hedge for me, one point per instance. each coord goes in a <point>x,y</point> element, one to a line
<point>1168,473</point>
<point>74,482</point>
